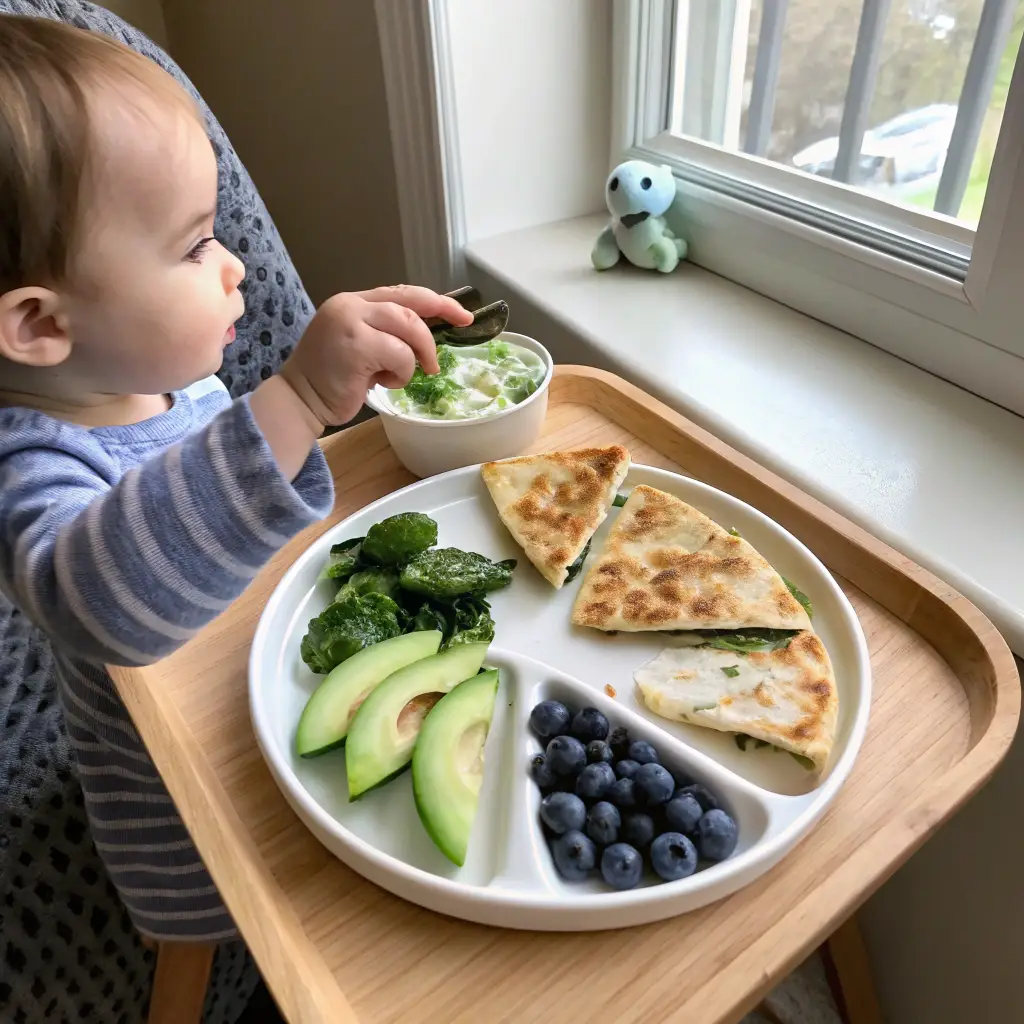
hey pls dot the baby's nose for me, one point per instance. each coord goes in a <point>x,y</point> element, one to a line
<point>233,272</point>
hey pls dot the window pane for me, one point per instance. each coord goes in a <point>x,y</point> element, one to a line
<point>862,91</point>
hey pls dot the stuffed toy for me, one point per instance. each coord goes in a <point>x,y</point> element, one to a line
<point>637,194</point>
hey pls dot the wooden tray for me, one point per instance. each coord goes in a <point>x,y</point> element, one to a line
<point>335,948</point>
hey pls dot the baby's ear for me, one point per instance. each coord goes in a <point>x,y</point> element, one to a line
<point>32,330</point>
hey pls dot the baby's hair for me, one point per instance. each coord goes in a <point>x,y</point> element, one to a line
<point>50,73</point>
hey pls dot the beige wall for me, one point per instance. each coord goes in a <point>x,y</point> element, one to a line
<point>299,89</point>
<point>147,15</point>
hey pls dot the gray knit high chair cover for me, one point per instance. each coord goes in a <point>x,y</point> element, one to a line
<point>67,949</point>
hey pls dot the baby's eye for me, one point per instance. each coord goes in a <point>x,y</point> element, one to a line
<point>196,253</point>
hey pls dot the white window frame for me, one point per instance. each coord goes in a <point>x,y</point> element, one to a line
<point>966,327</point>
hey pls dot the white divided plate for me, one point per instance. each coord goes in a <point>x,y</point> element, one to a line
<point>509,878</point>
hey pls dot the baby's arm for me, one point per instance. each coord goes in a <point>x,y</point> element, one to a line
<point>124,572</point>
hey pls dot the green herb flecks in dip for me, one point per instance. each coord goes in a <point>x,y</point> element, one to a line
<point>478,380</point>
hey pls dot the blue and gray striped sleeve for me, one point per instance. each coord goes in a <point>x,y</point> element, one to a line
<point>124,569</point>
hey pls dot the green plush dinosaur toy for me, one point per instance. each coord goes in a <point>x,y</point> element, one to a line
<point>638,194</point>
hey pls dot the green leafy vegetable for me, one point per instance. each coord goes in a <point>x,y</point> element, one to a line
<point>377,580</point>
<point>704,707</point>
<point>446,358</point>
<point>344,559</point>
<point>393,541</point>
<point>731,670</point>
<point>435,389</point>
<point>347,626</point>
<point>741,740</point>
<point>619,500</point>
<point>482,634</point>
<point>449,572</point>
<point>576,568</point>
<point>804,762</point>
<point>733,532</point>
<point>804,600</point>
<point>466,619</point>
<point>497,350</point>
<point>747,640</point>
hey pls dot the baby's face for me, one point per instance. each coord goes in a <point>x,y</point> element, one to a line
<point>152,296</point>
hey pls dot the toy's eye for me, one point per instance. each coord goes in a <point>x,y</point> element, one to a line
<point>645,183</point>
<point>613,184</point>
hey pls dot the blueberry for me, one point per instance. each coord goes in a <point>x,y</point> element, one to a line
<point>621,866</point>
<point>673,856</point>
<point>566,755</point>
<point>716,835</point>
<point>621,794</point>
<point>680,778</point>
<point>707,800</point>
<point>683,812</point>
<point>626,769</point>
<point>589,724</point>
<point>598,750</point>
<point>575,855</point>
<point>594,781</point>
<point>541,774</point>
<point>550,718</point>
<point>643,752</point>
<point>603,823</point>
<point>563,812</point>
<point>654,785</point>
<point>637,829</point>
<point>618,740</point>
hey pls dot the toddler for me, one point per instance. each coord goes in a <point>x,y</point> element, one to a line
<point>136,500</point>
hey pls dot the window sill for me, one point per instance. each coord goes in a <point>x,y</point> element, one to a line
<point>933,470</point>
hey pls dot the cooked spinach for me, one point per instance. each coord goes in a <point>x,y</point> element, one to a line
<point>466,619</point>
<point>733,532</point>
<point>731,670</point>
<point>347,626</point>
<point>619,500</point>
<point>344,559</point>
<point>449,572</point>
<point>747,640</point>
<point>804,600</point>
<point>393,541</point>
<point>574,570</point>
<point>741,740</point>
<point>393,581</point>
<point>377,580</point>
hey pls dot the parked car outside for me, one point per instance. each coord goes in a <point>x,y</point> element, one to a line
<point>907,147</point>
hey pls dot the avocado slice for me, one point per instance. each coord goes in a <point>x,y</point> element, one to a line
<point>448,763</point>
<point>329,711</point>
<point>384,730</point>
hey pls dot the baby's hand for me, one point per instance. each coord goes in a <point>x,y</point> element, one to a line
<point>360,339</point>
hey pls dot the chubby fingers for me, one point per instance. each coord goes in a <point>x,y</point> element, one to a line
<point>401,324</point>
<point>394,360</point>
<point>423,302</point>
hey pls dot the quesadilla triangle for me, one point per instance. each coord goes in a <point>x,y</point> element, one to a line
<point>667,566</point>
<point>784,696</point>
<point>553,503</point>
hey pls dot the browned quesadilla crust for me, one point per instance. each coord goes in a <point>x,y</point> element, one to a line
<point>553,503</point>
<point>787,696</point>
<point>667,566</point>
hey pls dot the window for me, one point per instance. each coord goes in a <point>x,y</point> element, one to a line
<point>856,159</point>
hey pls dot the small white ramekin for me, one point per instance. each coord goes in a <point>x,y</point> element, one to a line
<point>427,447</point>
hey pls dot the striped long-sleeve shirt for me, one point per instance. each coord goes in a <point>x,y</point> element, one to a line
<point>121,543</point>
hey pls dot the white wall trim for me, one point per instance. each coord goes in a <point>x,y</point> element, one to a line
<point>418,80</point>
<point>922,316</point>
